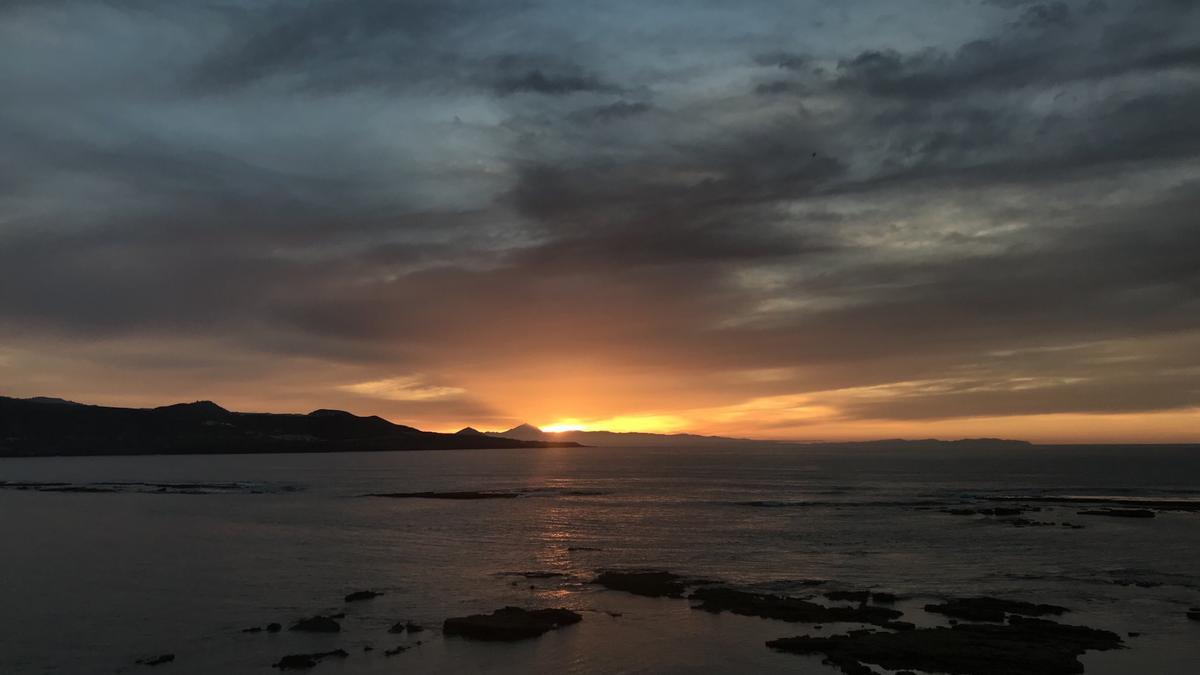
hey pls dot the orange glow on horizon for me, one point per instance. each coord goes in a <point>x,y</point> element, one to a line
<point>559,427</point>
<point>653,424</point>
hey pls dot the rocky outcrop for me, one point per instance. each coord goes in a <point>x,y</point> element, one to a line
<point>306,661</point>
<point>795,610</point>
<point>1022,647</point>
<point>1119,513</point>
<point>465,495</point>
<point>317,624</point>
<point>510,623</point>
<point>648,583</point>
<point>992,609</point>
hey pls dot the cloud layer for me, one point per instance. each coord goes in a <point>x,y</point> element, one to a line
<point>786,219</point>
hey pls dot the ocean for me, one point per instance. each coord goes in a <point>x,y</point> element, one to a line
<point>130,557</point>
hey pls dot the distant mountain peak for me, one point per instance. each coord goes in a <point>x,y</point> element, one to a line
<point>469,431</point>
<point>51,400</point>
<point>195,408</point>
<point>524,432</point>
<point>329,412</point>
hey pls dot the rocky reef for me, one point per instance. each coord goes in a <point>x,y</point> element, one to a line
<point>510,623</point>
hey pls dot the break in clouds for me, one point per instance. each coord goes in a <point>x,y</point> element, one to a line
<point>763,217</point>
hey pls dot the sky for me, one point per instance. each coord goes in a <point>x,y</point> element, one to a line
<point>802,219</point>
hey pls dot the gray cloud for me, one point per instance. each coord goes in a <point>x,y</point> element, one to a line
<point>395,186</point>
<point>539,82</point>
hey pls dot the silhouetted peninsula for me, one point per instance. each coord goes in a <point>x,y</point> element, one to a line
<point>38,427</point>
<point>528,432</point>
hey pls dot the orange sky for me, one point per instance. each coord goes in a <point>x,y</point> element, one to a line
<point>593,396</point>
<point>867,223</point>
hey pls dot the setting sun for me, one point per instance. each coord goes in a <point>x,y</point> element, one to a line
<point>559,427</point>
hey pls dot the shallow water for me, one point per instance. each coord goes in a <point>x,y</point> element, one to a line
<point>199,548</point>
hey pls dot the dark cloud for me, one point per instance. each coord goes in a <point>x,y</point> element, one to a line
<point>371,189</point>
<point>776,87</point>
<point>1045,14</point>
<point>616,110</point>
<point>335,44</point>
<point>1046,48</point>
<point>539,82</point>
<point>785,60</point>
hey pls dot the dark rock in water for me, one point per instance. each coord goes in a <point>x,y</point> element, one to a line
<point>1023,647</point>
<point>883,598</point>
<point>1194,614</point>
<point>1119,513</point>
<point>1122,502</point>
<point>253,629</point>
<point>395,650</point>
<point>157,660</point>
<point>991,609</point>
<point>1009,515</point>
<point>306,661</point>
<point>339,615</point>
<point>1134,634</point>
<point>534,575</point>
<point>317,624</point>
<point>793,609</point>
<point>368,648</point>
<point>80,488</point>
<point>1140,583</point>
<point>650,583</point>
<point>413,628</point>
<point>573,549</point>
<point>510,623</point>
<point>991,511</point>
<point>398,627</point>
<point>362,595</point>
<point>447,495</point>
<point>274,628</point>
<point>852,596</point>
<point>1026,522</point>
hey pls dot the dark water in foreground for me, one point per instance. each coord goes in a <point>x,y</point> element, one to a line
<point>90,582</point>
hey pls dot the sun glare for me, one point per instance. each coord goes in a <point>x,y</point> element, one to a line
<point>559,427</point>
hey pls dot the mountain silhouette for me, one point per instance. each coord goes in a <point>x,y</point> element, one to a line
<point>47,427</point>
<point>528,432</point>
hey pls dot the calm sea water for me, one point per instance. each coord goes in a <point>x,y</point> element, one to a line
<point>90,582</point>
